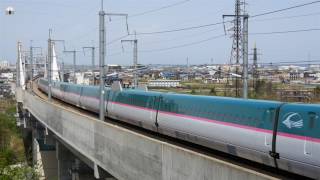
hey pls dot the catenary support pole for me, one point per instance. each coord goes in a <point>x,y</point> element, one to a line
<point>62,71</point>
<point>74,52</point>
<point>245,56</point>
<point>102,49</point>
<point>31,65</point>
<point>135,60</point>
<point>18,64</point>
<point>49,65</point>
<point>92,48</point>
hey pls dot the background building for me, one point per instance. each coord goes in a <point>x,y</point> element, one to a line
<point>4,64</point>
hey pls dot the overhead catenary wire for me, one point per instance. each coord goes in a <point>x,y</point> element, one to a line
<point>179,29</point>
<point>192,35</point>
<point>219,36</point>
<point>117,39</point>
<point>211,24</point>
<point>156,9</point>
<point>219,23</point>
<point>159,9</point>
<point>286,32</point>
<point>286,17</point>
<point>184,45</point>
<point>285,9</point>
<point>173,47</point>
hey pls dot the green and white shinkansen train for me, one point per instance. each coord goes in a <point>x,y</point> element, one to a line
<point>281,135</point>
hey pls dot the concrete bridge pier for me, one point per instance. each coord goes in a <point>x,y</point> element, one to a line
<point>65,161</point>
<point>71,166</point>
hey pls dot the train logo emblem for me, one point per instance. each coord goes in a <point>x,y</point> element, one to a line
<point>293,120</point>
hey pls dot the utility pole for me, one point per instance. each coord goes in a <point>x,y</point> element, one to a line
<point>74,52</point>
<point>62,71</point>
<point>32,63</point>
<point>135,60</point>
<point>188,69</point>
<point>245,56</point>
<point>49,65</point>
<point>92,48</point>
<point>255,74</point>
<point>102,53</point>
<point>18,64</point>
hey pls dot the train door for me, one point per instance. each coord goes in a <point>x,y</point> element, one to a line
<point>269,118</point>
<point>293,145</point>
<point>80,96</point>
<point>112,96</point>
<point>156,105</point>
<point>311,126</point>
<point>107,92</point>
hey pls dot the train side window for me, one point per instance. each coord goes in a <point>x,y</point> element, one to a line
<point>312,119</point>
<point>269,114</point>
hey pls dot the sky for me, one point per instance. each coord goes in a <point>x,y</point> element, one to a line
<point>76,22</point>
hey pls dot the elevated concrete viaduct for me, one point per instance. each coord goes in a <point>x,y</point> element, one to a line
<point>114,152</point>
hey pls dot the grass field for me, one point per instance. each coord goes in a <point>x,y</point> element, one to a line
<point>13,164</point>
<point>262,90</point>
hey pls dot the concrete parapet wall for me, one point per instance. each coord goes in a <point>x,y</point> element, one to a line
<point>128,155</point>
<point>19,94</point>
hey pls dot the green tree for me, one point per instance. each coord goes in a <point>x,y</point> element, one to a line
<point>213,91</point>
<point>317,91</point>
<point>12,157</point>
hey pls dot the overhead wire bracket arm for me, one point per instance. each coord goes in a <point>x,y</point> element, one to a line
<point>121,14</point>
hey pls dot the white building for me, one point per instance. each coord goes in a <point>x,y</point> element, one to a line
<point>291,68</point>
<point>314,67</point>
<point>8,76</point>
<point>4,64</point>
<point>83,78</point>
<point>164,83</point>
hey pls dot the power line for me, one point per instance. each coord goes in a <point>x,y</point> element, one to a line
<point>213,24</point>
<point>286,32</point>
<point>207,25</point>
<point>211,38</point>
<point>117,39</point>
<point>173,47</point>
<point>83,35</point>
<point>159,9</point>
<point>192,35</point>
<point>287,17</point>
<point>285,9</point>
<point>219,23</point>
<point>183,45</point>
<point>156,9</point>
<point>135,15</point>
<point>180,29</point>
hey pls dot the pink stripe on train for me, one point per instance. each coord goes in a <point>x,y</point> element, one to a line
<point>244,127</point>
<point>136,107</point>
